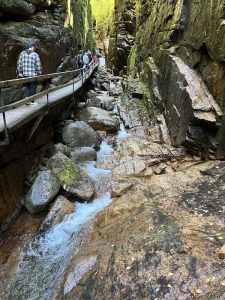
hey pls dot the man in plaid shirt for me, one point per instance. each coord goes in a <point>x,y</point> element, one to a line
<point>29,65</point>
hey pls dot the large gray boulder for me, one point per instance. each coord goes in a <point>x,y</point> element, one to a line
<point>99,119</point>
<point>81,154</point>
<point>80,134</point>
<point>73,178</point>
<point>45,188</point>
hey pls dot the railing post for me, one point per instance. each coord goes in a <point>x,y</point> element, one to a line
<point>4,118</point>
<point>47,101</point>
<point>83,76</point>
<point>73,85</point>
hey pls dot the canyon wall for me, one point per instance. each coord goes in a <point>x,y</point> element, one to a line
<point>60,29</point>
<point>56,26</point>
<point>178,52</point>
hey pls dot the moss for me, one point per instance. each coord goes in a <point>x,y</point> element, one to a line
<point>66,173</point>
<point>83,28</point>
<point>132,61</point>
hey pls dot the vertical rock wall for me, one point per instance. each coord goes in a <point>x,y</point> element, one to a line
<point>181,44</point>
<point>56,26</point>
<point>122,35</point>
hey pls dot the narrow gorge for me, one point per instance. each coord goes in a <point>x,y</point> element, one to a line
<point>117,190</point>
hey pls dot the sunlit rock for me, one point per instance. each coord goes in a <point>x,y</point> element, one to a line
<point>99,119</point>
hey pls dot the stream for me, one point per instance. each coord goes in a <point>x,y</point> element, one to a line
<point>41,268</point>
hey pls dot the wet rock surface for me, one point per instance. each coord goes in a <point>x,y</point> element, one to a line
<point>45,188</point>
<point>60,208</point>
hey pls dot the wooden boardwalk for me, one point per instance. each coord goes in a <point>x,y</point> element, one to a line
<point>19,116</point>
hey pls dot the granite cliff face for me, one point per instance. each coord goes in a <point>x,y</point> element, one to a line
<point>178,53</point>
<point>122,34</point>
<point>50,24</point>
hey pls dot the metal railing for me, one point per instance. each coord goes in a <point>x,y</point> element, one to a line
<point>16,82</point>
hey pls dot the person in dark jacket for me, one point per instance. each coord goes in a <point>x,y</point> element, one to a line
<point>89,56</point>
<point>29,65</point>
<point>79,61</point>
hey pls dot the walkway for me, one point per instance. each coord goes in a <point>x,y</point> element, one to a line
<point>19,116</point>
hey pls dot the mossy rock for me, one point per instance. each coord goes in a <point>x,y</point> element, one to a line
<point>74,180</point>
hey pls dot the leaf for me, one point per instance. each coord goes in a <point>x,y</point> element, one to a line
<point>208,280</point>
<point>222,283</point>
<point>198,291</point>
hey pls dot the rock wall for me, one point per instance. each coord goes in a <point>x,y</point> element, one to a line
<point>122,35</point>
<point>179,53</point>
<point>50,24</point>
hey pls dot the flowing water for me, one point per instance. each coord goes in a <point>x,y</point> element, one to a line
<point>122,134</point>
<point>41,267</point>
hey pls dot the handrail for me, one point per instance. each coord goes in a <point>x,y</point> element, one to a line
<point>15,82</point>
<point>34,97</point>
<point>4,108</point>
<point>20,81</point>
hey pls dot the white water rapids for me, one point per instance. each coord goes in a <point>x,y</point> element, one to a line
<point>41,267</point>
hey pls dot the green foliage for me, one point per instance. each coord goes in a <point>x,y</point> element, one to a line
<point>83,27</point>
<point>102,11</point>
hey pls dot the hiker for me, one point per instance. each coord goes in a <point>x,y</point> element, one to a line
<point>86,61</point>
<point>80,61</point>
<point>29,65</point>
<point>89,56</point>
<point>95,58</point>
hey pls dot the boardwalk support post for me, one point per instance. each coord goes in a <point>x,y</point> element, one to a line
<point>35,126</point>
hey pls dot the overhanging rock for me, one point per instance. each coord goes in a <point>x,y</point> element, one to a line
<point>188,103</point>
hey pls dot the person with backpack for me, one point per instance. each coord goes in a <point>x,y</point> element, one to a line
<point>86,61</point>
<point>29,65</point>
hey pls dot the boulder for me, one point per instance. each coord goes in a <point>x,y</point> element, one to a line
<point>59,148</point>
<point>80,134</point>
<point>73,178</point>
<point>105,86</point>
<point>60,208</point>
<point>95,102</point>
<point>80,154</point>
<point>17,7</point>
<point>107,102</point>
<point>45,188</point>
<point>99,119</point>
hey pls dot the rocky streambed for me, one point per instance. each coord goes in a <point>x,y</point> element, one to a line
<point>130,216</point>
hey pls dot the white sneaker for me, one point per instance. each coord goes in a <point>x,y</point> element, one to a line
<point>33,103</point>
